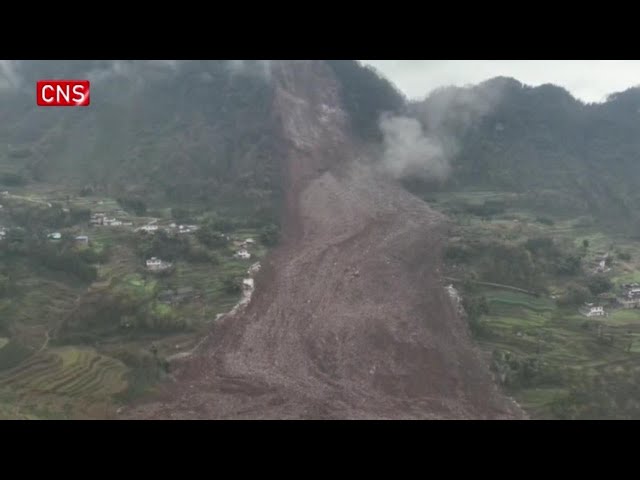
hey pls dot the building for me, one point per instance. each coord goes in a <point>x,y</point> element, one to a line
<point>254,269</point>
<point>592,310</point>
<point>82,240</point>
<point>630,297</point>
<point>148,228</point>
<point>155,264</point>
<point>242,254</point>
<point>97,219</point>
<point>54,236</point>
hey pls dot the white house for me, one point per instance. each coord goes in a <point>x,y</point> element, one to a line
<point>155,264</point>
<point>148,228</point>
<point>591,310</point>
<point>54,236</point>
<point>242,254</point>
<point>82,240</point>
<point>250,241</point>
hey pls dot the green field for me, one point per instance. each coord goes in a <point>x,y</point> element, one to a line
<point>65,355</point>
<point>563,346</point>
<point>65,376</point>
<point>553,361</point>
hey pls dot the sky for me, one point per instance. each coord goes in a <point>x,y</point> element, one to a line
<point>587,80</point>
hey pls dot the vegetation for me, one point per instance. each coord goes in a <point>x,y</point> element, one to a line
<point>366,95</point>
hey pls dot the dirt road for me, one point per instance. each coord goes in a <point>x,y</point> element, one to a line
<point>349,318</point>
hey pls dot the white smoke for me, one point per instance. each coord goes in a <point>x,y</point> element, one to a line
<point>413,151</point>
<point>408,152</point>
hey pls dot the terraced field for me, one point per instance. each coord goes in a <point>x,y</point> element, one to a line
<point>68,375</point>
<point>566,344</point>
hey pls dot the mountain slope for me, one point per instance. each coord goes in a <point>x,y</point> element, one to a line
<point>563,156</point>
<point>349,318</point>
<point>191,131</point>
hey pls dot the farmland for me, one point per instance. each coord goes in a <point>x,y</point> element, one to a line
<point>76,344</point>
<point>555,362</point>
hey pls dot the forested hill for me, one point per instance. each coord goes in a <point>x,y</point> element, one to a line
<point>561,154</point>
<point>186,130</point>
<point>174,131</point>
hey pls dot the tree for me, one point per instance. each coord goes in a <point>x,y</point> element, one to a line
<point>232,284</point>
<point>585,243</point>
<point>208,235</point>
<point>598,284</point>
<point>134,204</point>
<point>576,294</point>
<point>270,235</point>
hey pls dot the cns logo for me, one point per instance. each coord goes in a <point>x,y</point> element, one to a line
<point>63,93</point>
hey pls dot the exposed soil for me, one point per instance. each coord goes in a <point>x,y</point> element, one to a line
<point>350,318</point>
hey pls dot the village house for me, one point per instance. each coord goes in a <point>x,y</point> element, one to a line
<point>155,264</point>
<point>242,254</point>
<point>82,240</point>
<point>148,228</point>
<point>54,236</point>
<point>630,297</point>
<point>254,269</point>
<point>97,218</point>
<point>592,310</point>
<point>3,232</point>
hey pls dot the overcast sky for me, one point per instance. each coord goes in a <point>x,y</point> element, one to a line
<point>588,80</point>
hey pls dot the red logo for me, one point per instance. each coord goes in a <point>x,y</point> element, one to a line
<point>63,93</point>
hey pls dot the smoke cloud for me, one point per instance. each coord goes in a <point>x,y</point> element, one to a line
<point>423,146</point>
<point>408,152</point>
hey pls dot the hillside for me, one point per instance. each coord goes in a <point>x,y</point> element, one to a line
<point>153,130</point>
<point>349,318</point>
<point>558,154</point>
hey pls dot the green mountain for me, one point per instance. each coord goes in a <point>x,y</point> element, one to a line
<point>561,155</point>
<point>185,131</point>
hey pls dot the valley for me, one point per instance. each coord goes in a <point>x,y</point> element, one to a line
<point>554,360</point>
<point>89,333</point>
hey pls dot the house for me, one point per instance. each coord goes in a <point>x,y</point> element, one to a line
<point>247,284</point>
<point>592,310</point>
<point>97,219</point>
<point>3,233</point>
<point>82,240</point>
<point>630,297</point>
<point>148,228</point>
<point>250,241</point>
<point>254,269</point>
<point>242,254</point>
<point>54,236</point>
<point>155,264</point>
